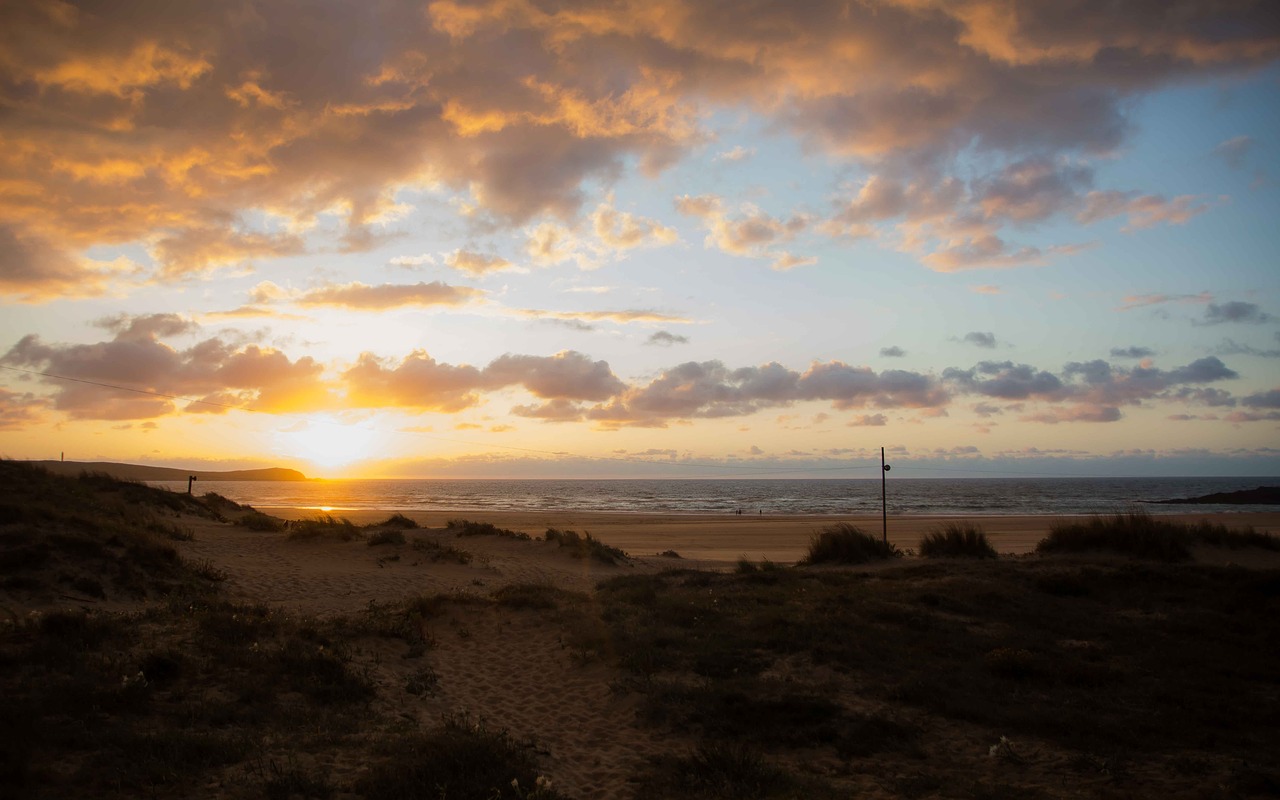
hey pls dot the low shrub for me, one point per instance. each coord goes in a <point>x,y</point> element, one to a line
<point>398,521</point>
<point>438,552</point>
<point>464,527</point>
<point>386,537</point>
<point>956,540</point>
<point>462,759</point>
<point>324,526</point>
<point>1134,533</point>
<point>257,521</point>
<point>585,547</point>
<point>846,544</point>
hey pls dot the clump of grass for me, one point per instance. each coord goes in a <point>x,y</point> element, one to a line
<point>1011,662</point>
<point>1133,533</point>
<point>669,554</point>
<point>208,570</point>
<point>324,526</point>
<point>585,546</point>
<point>257,521</point>
<point>386,537</point>
<point>535,596</point>
<point>956,540</point>
<point>847,544</point>
<point>746,566</point>
<point>464,527</point>
<point>461,759</point>
<point>397,521</point>
<point>715,771</point>
<point>439,552</point>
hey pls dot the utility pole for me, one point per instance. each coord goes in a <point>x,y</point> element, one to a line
<point>884,508</point>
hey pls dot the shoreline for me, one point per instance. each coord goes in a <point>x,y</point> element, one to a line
<point>777,537</point>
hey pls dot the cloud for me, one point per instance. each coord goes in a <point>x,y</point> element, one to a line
<point>1267,399</point>
<point>751,233</point>
<point>986,289</point>
<point>1234,311</point>
<point>566,375</point>
<point>711,390</point>
<point>558,410</point>
<point>892,352</point>
<point>1007,381</point>
<point>362,297</point>
<point>1079,413</point>
<point>477,264</point>
<point>19,409</point>
<point>1234,150</point>
<point>420,382</point>
<point>1132,351</point>
<point>736,153</point>
<point>212,370</point>
<point>1089,391</point>
<point>137,124</point>
<point>1143,211</point>
<point>1131,302</point>
<point>620,230</point>
<point>620,316</point>
<point>1230,347</point>
<point>412,261</point>
<point>666,339</point>
<point>981,339</point>
<point>868,420</point>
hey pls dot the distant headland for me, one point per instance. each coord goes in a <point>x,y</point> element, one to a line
<point>141,472</point>
<point>1263,495</point>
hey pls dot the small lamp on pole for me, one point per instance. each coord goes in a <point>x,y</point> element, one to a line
<point>884,508</point>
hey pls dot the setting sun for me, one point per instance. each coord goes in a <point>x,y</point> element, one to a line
<point>328,442</point>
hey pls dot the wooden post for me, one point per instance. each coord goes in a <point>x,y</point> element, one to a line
<point>190,478</point>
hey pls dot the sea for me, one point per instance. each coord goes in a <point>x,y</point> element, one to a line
<point>903,496</point>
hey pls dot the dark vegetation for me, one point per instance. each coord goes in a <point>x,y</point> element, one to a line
<point>585,547</point>
<point>956,540</point>
<point>769,682</point>
<point>1111,663</point>
<point>91,537</point>
<point>324,526</point>
<point>846,544</point>
<point>1140,535</point>
<point>463,527</point>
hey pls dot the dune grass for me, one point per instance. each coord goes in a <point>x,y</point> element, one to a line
<point>381,537</point>
<point>397,521</point>
<point>956,540</point>
<point>1138,534</point>
<point>1108,662</point>
<point>324,526</point>
<point>464,527</point>
<point>845,544</point>
<point>584,546</point>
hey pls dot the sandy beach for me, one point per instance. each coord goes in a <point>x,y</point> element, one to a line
<point>783,539</point>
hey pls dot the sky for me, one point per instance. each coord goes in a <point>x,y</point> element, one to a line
<point>654,238</point>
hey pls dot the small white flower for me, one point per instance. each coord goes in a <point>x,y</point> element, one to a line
<point>543,783</point>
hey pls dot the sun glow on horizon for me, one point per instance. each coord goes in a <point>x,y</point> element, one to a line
<point>329,442</point>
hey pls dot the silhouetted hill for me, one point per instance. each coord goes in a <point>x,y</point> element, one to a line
<point>141,472</point>
<point>1263,495</point>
